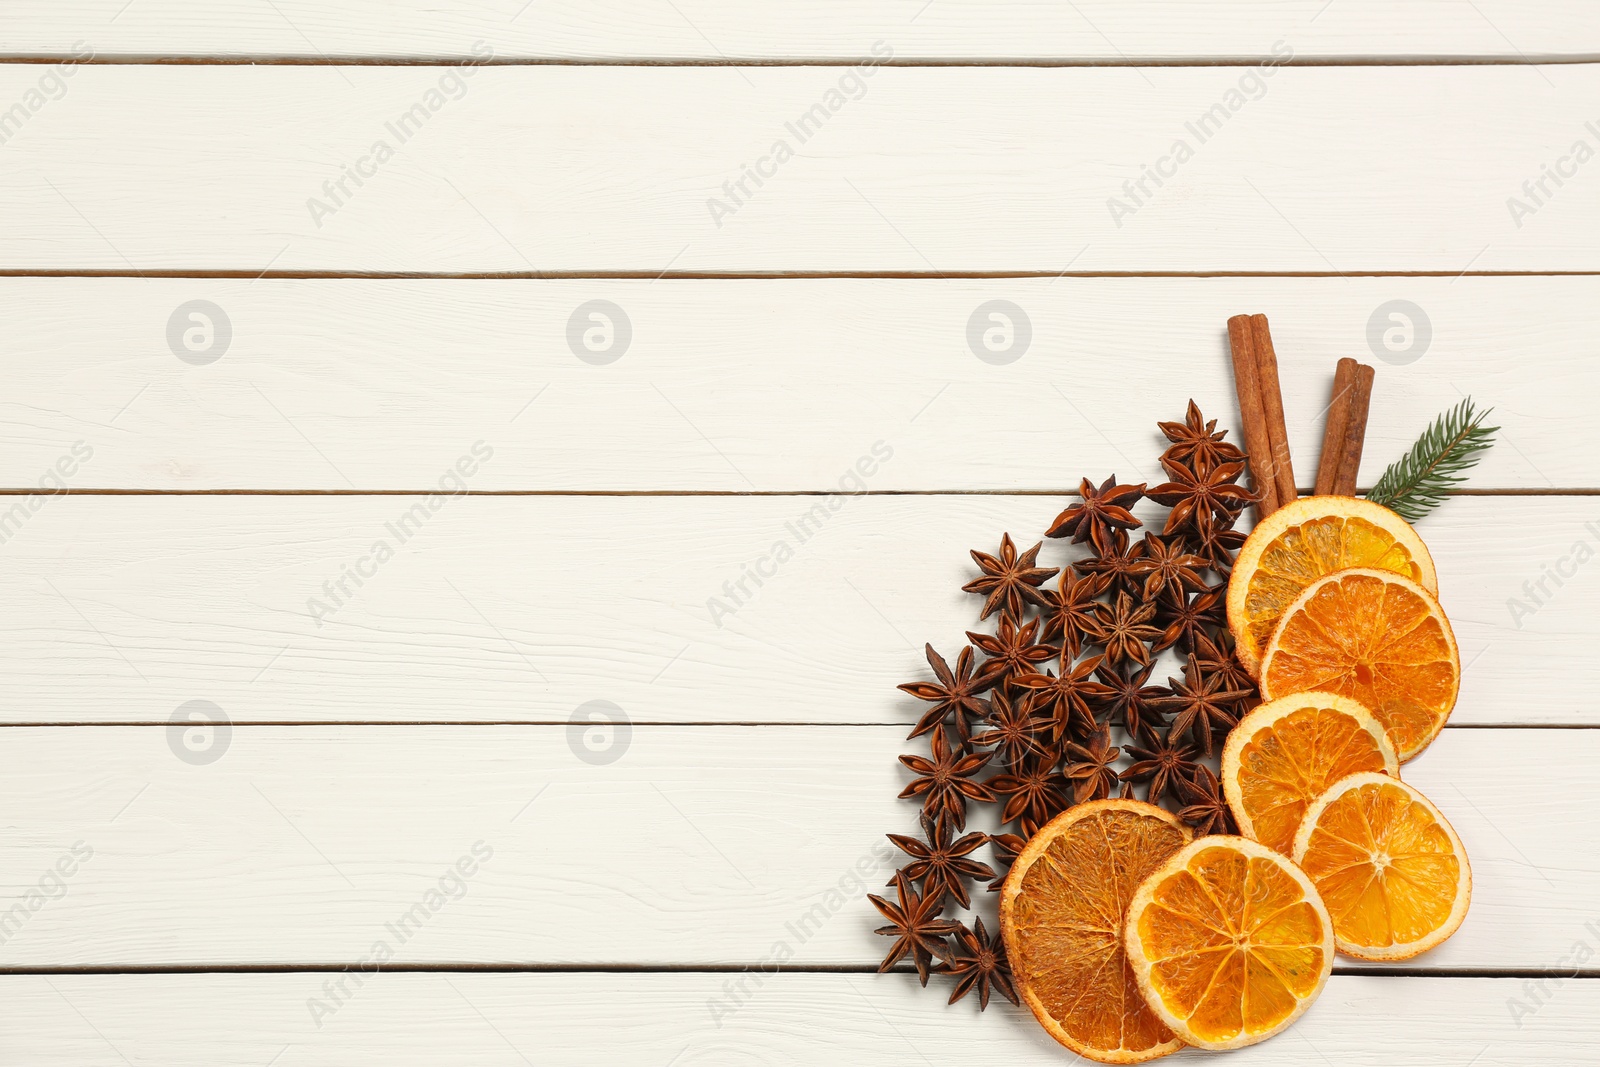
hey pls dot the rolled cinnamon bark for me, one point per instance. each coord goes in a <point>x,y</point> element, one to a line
<point>1282,468</point>
<point>1333,437</point>
<point>1247,384</point>
<point>1355,431</point>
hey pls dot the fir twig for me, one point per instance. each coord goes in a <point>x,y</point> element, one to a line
<point>1418,482</point>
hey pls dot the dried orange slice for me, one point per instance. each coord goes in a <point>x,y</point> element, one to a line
<point>1283,754</point>
<point>1391,869</point>
<point>1375,637</point>
<point>1229,941</point>
<point>1301,542</point>
<point>1061,913</point>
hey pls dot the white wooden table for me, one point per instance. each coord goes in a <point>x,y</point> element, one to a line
<point>398,761</point>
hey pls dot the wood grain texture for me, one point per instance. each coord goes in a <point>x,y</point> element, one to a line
<point>929,170</point>
<point>704,29</point>
<point>518,609</point>
<point>734,385</point>
<point>695,846</point>
<point>588,1020</point>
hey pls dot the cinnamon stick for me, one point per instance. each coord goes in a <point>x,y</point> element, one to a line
<point>1247,383</point>
<point>1281,467</point>
<point>1333,437</point>
<point>1355,431</point>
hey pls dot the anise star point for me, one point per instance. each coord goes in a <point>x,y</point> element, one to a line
<point>1009,580</point>
<point>1089,766</point>
<point>915,925</point>
<point>945,782</point>
<point>978,962</point>
<point>1100,511</point>
<point>955,692</point>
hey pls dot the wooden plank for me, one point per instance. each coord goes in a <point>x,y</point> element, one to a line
<point>597,169</point>
<point>112,1020</point>
<point>739,385</point>
<point>1091,30</point>
<point>695,845</point>
<point>525,608</point>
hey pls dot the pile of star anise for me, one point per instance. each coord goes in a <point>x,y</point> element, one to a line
<point>1055,707</point>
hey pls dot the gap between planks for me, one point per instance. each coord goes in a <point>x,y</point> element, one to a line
<point>135,59</point>
<point>636,274</point>
<point>1576,491</point>
<point>691,968</point>
<point>673,723</point>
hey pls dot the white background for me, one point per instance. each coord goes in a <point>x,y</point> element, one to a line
<point>376,339</point>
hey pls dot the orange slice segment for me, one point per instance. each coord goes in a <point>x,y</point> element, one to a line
<point>1283,755</point>
<point>1389,866</point>
<point>1377,638</point>
<point>1229,941</point>
<point>1061,914</point>
<point>1301,542</point>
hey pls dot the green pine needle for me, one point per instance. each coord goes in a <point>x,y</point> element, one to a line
<point>1419,481</point>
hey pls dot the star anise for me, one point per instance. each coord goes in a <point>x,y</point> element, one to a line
<point>1186,618</point>
<point>1132,704</point>
<point>955,691</point>
<point>1098,513</point>
<point>1114,563</point>
<point>1007,847</point>
<point>1196,443</point>
<point>1011,649</point>
<point>1191,494</point>
<point>1207,811</point>
<point>1009,580</point>
<point>945,782</point>
<point>1071,697</point>
<point>976,962</point>
<point>1199,705</point>
<point>915,925</point>
<point>1217,660</point>
<point>1019,726</point>
<point>1069,612</point>
<point>1125,630</point>
<point>1161,765</point>
<point>1163,564</point>
<point>941,864</point>
<point>1089,766</point>
<point>1216,541</point>
<point>1033,792</point>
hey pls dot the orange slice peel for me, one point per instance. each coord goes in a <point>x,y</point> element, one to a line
<point>1303,541</point>
<point>1285,753</point>
<point>1229,942</point>
<point>1376,637</point>
<point>1389,866</point>
<point>1061,914</point>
